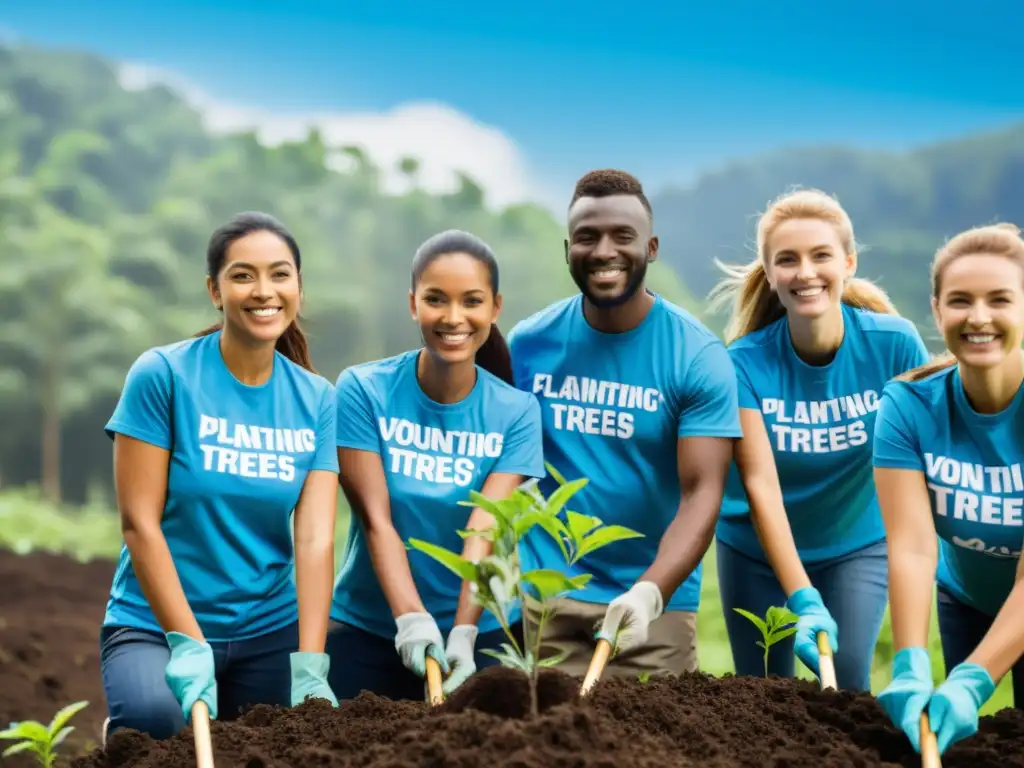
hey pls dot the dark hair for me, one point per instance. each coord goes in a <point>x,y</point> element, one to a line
<point>493,355</point>
<point>609,181</point>
<point>292,343</point>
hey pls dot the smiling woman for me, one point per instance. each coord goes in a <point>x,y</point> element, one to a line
<point>416,433</point>
<point>218,440</point>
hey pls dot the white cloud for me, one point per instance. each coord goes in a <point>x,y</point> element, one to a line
<point>443,139</point>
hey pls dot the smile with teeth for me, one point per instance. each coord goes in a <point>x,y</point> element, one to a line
<point>805,292</point>
<point>264,311</point>
<point>454,338</point>
<point>606,272</point>
<point>979,338</point>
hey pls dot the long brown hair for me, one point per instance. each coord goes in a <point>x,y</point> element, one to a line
<point>292,343</point>
<point>754,304</point>
<point>996,239</point>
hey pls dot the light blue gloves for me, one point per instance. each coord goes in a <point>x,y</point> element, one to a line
<point>418,637</point>
<point>905,698</point>
<point>461,659</point>
<point>309,677</point>
<point>953,709</point>
<point>813,618</point>
<point>190,674</point>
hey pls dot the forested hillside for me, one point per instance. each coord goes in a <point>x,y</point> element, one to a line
<point>107,198</point>
<point>903,208</point>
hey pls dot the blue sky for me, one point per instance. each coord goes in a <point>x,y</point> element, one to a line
<point>663,90</point>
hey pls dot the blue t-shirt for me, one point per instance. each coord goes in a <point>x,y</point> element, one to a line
<point>433,455</point>
<point>239,457</point>
<point>615,406</point>
<point>820,421</point>
<point>972,464</point>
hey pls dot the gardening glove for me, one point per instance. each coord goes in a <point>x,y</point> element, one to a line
<point>190,673</point>
<point>953,710</point>
<point>905,698</point>
<point>309,677</point>
<point>460,656</point>
<point>628,616</point>
<point>814,618</point>
<point>418,637</point>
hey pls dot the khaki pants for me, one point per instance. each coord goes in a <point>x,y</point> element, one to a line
<point>671,646</point>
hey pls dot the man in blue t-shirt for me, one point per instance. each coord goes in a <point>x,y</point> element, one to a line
<point>640,398</point>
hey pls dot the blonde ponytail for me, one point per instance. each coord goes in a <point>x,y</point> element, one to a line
<point>1001,239</point>
<point>754,304</point>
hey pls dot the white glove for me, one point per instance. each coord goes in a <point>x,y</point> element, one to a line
<point>628,616</point>
<point>418,637</point>
<point>461,641</point>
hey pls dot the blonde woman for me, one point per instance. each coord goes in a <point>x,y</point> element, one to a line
<point>949,446</point>
<point>813,347</point>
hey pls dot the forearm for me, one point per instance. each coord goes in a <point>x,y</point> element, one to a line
<point>391,564</point>
<point>475,549</point>
<point>158,579</point>
<point>768,515</point>
<point>314,583</point>
<point>1003,644</point>
<point>911,580</point>
<point>686,540</point>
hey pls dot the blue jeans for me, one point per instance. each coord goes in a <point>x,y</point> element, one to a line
<point>132,662</point>
<point>363,661</point>
<point>961,630</point>
<point>854,588</point>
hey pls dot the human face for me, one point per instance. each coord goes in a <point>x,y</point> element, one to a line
<point>609,248</point>
<point>807,266</point>
<point>258,288</point>
<point>980,309</point>
<point>455,306</point>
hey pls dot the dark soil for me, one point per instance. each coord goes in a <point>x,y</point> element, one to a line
<point>51,608</point>
<point>696,720</point>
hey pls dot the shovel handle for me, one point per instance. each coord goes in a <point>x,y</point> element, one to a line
<point>434,680</point>
<point>602,653</point>
<point>826,663</point>
<point>201,735</point>
<point>929,745</point>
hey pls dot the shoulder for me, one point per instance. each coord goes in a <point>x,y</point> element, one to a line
<point>542,321</point>
<point>500,397</point>
<point>374,374</point>
<point>881,326</point>
<point>309,384</point>
<point>161,363</point>
<point>923,394</point>
<point>754,347</point>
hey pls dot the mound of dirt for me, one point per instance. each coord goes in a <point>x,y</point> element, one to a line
<point>51,609</point>
<point>695,720</point>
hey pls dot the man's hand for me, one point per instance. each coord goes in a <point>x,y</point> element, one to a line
<point>629,615</point>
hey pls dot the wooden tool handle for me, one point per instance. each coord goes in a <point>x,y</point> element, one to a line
<point>929,745</point>
<point>826,663</point>
<point>201,735</point>
<point>602,653</point>
<point>434,679</point>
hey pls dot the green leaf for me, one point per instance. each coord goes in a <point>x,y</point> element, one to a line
<point>554,661</point>
<point>562,494</point>
<point>550,583</point>
<point>28,729</point>
<point>556,529</point>
<point>778,616</point>
<point>63,716</point>
<point>61,735</point>
<point>554,473</point>
<point>781,634</point>
<point>580,525</point>
<point>757,621</point>
<point>497,509</point>
<point>19,747</point>
<point>602,537</point>
<point>760,644</point>
<point>508,657</point>
<point>453,561</point>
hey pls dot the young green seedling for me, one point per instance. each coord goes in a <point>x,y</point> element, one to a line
<point>778,624</point>
<point>497,583</point>
<point>42,740</point>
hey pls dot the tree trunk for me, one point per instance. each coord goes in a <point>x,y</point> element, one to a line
<point>51,434</point>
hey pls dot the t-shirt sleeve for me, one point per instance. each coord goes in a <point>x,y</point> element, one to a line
<point>522,452</point>
<point>744,387</point>
<point>912,352</point>
<point>326,429</point>
<point>895,440</point>
<point>354,415</point>
<point>710,399</point>
<point>515,351</point>
<point>143,411</point>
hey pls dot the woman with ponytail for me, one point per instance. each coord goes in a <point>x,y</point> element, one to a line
<point>813,347</point>
<point>416,433</point>
<point>949,447</point>
<point>218,439</point>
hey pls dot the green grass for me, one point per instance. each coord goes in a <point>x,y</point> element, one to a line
<point>28,523</point>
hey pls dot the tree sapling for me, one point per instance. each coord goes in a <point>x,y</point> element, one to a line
<point>497,582</point>
<point>43,740</point>
<point>778,624</point>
